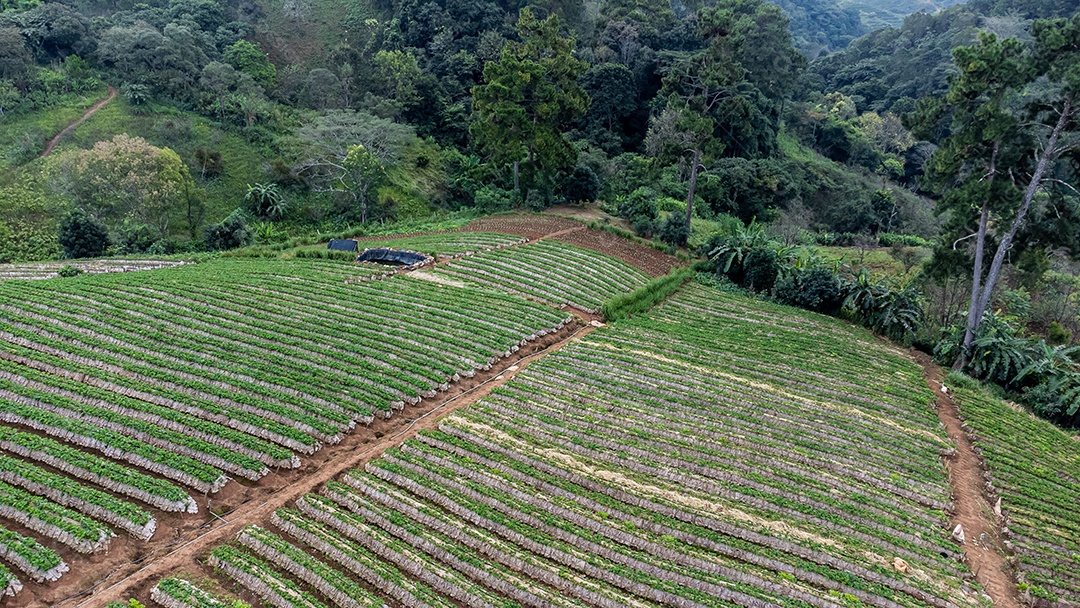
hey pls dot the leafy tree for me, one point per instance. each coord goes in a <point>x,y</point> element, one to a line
<point>992,160</point>
<point>249,59</point>
<point>354,179</point>
<point>55,30</point>
<point>717,97</point>
<point>613,91</point>
<point>345,153</point>
<point>15,58</point>
<point>128,177</point>
<point>82,235</point>
<point>581,185</point>
<point>208,14</point>
<point>323,89</point>
<point>396,78</point>
<point>171,60</point>
<point>217,79</point>
<point>528,100</point>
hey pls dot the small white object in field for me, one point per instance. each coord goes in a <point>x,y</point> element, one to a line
<point>944,390</point>
<point>958,534</point>
<point>900,565</point>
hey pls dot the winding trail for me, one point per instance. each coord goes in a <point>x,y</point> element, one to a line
<point>973,509</point>
<point>49,147</point>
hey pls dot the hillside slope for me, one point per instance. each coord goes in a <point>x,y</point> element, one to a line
<point>702,454</point>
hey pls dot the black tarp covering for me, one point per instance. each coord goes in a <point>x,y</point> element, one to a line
<point>342,245</point>
<point>392,256</point>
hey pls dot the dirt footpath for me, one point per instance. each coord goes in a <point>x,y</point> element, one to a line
<point>973,510</point>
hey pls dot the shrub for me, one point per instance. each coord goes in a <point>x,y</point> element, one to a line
<point>581,185</point>
<point>639,207</point>
<point>896,313</point>
<point>134,237</point>
<point>82,235</point>
<point>1057,334</point>
<point>67,270</point>
<point>761,269</point>
<point>817,288</point>
<point>673,230</point>
<point>231,233</point>
<point>490,199</point>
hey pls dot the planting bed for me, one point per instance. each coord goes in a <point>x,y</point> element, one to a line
<point>1034,468</point>
<point>557,273</point>
<point>446,244</point>
<point>650,261</point>
<point>700,455</point>
<point>125,397</point>
<point>50,270</point>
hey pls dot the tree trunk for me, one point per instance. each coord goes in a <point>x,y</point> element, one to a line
<point>693,186</point>
<point>517,180</point>
<point>976,280</point>
<point>1049,155</point>
<point>972,323</point>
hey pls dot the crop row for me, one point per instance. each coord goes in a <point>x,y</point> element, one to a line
<point>258,576</point>
<point>1035,468</point>
<point>9,584</point>
<point>105,473</point>
<point>447,244</point>
<point>175,592</point>
<point>49,519</point>
<point>555,272</point>
<point>75,495</point>
<point>39,562</point>
<point>342,590</point>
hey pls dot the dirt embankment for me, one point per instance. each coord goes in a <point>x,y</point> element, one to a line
<point>973,510</point>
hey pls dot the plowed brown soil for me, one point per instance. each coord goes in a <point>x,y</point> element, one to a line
<point>983,548</point>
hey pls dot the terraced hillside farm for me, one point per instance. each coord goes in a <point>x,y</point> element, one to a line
<point>449,244</point>
<point>557,273</point>
<point>1035,470</point>
<point>130,403</point>
<point>702,454</point>
<point>51,270</point>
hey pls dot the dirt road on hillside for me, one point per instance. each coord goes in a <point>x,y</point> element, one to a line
<point>49,147</point>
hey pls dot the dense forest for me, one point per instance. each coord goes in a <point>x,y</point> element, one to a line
<point>733,127</point>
